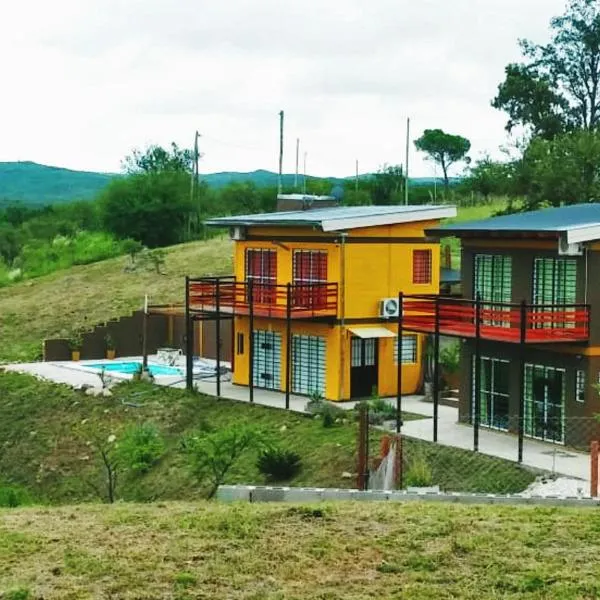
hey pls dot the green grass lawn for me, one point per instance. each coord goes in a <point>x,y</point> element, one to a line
<point>349,551</point>
<point>45,431</point>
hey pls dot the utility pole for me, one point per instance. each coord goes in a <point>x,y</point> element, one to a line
<point>194,182</point>
<point>297,158</point>
<point>407,152</point>
<point>279,181</point>
<point>356,177</point>
<point>304,177</point>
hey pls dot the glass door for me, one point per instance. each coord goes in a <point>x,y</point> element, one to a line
<point>544,403</point>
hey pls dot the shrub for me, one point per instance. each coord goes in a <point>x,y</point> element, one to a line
<point>140,448</point>
<point>450,358</point>
<point>279,464</point>
<point>318,406</point>
<point>13,496</point>
<point>419,473</point>
<point>20,593</point>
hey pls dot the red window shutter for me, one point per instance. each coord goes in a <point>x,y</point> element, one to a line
<point>421,266</point>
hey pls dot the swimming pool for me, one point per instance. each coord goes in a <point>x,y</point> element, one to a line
<point>131,367</point>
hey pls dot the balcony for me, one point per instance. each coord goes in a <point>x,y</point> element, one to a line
<point>228,296</point>
<point>500,322</point>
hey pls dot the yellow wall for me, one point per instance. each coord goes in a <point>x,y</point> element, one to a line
<point>337,358</point>
<point>369,272</point>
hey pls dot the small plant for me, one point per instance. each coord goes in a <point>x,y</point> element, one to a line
<point>109,342</point>
<point>185,580</point>
<point>419,473</point>
<point>20,593</point>
<point>132,248</point>
<point>212,455</point>
<point>157,259</point>
<point>140,448</point>
<point>279,464</point>
<point>450,358</point>
<point>76,340</point>
<point>315,403</point>
<point>106,450</point>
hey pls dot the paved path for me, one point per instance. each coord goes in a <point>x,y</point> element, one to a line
<point>539,455</point>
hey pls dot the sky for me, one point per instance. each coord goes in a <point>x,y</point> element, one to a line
<point>85,81</point>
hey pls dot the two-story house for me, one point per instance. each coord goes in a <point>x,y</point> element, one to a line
<point>314,293</point>
<point>530,343</point>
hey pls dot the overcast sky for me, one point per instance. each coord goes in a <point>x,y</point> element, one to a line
<point>85,81</point>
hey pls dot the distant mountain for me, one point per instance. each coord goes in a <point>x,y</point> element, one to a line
<point>32,183</point>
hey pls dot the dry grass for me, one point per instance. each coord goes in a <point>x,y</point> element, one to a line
<point>349,551</point>
<point>58,303</point>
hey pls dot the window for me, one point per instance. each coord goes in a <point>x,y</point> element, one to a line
<point>261,269</point>
<point>409,350</point>
<point>309,268</point>
<point>555,283</point>
<point>421,266</point>
<point>492,283</point>
<point>240,343</point>
<point>580,386</point>
<point>308,364</point>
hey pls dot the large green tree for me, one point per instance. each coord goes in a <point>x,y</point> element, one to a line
<point>152,202</point>
<point>557,86</point>
<point>564,170</point>
<point>443,148</point>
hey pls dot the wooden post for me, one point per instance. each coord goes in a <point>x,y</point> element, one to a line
<point>398,466</point>
<point>594,469</point>
<point>363,436</point>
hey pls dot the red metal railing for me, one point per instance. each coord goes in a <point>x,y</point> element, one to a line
<point>225,294</point>
<point>497,321</point>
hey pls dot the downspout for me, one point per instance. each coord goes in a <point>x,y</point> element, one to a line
<point>342,297</point>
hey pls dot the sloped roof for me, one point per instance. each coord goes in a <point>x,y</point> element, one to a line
<point>577,223</point>
<point>338,218</point>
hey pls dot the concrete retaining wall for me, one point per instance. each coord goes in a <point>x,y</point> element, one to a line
<point>248,493</point>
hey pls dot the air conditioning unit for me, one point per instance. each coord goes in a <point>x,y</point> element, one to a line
<point>566,249</point>
<point>237,233</point>
<point>389,308</point>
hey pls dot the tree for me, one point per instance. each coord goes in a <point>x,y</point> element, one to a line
<point>557,88</point>
<point>212,455</point>
<point>386,186</point>
<point>488,177</point>
<point>564,170</point>
<point>152,208</point>
<point>443,148</point>
<point>155,159</point>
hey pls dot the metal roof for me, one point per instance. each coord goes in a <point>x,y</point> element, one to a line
<point>338,218</point>
<point>578,223</point>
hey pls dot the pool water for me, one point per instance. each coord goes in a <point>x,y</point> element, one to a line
<point>131,367</point>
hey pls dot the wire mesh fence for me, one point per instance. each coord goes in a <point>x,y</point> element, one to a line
<point>531,454</point>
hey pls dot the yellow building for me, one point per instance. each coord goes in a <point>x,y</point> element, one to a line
<point>318,288</point>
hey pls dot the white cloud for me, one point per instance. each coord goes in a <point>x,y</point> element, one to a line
<point>85,81</point>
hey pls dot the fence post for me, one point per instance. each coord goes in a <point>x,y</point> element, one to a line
<point>288,344</point>
<point>436,369</point>
<point>398,466</point>
<point>218,332</point>
<point>522,352</point>
<point>477,382</point>
<point>189,340</point>
<point>250,292</point>
<point>399,366</point>
<point>363,437</point>
<point>595,445</point>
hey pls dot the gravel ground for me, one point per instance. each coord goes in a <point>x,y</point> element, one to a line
<point>561,486</point>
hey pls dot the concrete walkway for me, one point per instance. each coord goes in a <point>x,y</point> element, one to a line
<point>539,455</point>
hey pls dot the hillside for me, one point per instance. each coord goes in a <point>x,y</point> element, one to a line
<point>352,551</point>
<point>86,295</point>
<point>40,184</point>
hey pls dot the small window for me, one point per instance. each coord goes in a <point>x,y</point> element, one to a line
<point>409,350</point>
<point>240,343</point>
<point>580,386</point>
<point>421,266</point>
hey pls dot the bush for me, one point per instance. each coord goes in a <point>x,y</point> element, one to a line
<point>279,464</point>
<point>140,448</point>
<point>12,496</point>
<point>419,473</point>
<point>450,358</point>
<point>318,406</point>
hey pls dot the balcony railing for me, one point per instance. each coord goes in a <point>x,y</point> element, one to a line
<point>498,321</point>
<point>226,295</point>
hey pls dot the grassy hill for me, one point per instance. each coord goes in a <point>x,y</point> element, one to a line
<point>351,551</point>
<point>86,295</point>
